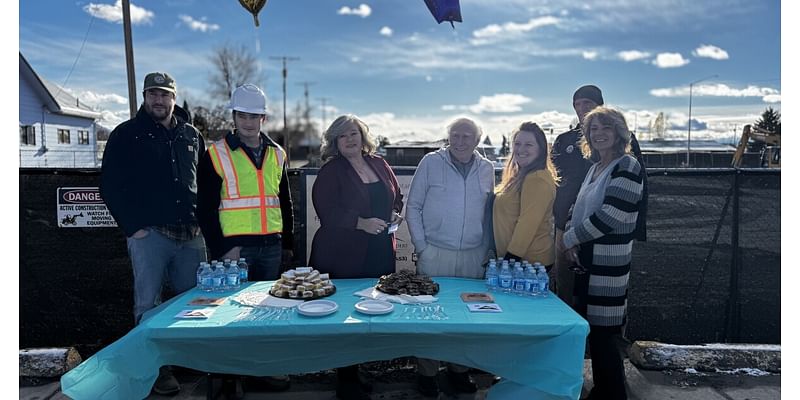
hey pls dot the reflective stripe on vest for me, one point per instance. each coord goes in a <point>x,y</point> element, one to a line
<point>249,202</point>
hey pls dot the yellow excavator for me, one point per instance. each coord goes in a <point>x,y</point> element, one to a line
<point>770,155</point>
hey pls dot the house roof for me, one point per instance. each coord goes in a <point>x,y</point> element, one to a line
<point>56,99</point>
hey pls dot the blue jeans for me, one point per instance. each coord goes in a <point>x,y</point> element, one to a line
<point>263,262</point>
<point>158,260</point>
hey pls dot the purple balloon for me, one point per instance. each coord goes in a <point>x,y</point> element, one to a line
<point>445,10</point>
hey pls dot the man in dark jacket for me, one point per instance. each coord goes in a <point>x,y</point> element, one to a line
<point>149,183</point>
<point>572,169</point>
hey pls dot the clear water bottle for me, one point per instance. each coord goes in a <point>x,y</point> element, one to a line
<point>531,284</point>
<point>544,282</point>
<point>218,279</point>
<point>505,278</point>
<point>199,281</point>
<point>232,277</point>
<point>491,277</point>
<point>226,263</point>
<point>206,278</point>
<point>243,270</point>
<point>518,279</point>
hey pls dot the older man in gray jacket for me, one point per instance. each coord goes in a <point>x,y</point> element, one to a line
<point>445,212</point>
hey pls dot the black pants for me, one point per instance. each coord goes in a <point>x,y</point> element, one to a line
<point>608,371</point>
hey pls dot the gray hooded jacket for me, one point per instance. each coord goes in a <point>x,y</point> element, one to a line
<point>443,208</point>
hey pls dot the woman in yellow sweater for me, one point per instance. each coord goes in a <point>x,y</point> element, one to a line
<point>523,207</point>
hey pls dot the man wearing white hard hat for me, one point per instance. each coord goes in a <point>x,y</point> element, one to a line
<point>244,204</point>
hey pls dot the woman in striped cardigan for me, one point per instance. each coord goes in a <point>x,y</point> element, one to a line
<point>599,240</point>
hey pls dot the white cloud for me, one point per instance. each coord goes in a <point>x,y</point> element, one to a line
<point>632,55</point>
<point>113,13</point>
<point>200,25</point>
<point>386,31</point>
<point>670,60</point>
<point>710,51</point>
<point>355,59</point>
<point>98,100</point>
<point>498,103</point>
<point>510,29</point>
<point>428,78</point>
<point>590,55</point>
<point>768,95</point>
<point>362,11</point>
<point>110,119</point>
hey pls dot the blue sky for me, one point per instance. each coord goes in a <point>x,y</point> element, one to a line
<point>389,62</point>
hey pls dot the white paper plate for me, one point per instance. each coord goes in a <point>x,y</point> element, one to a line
<point>374,307</point>
<point>317,308</point>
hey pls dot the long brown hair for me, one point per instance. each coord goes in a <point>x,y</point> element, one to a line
<point>513,175</point>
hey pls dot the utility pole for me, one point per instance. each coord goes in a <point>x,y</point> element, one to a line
<point>126,27</point>
<point>689,136</point>
<point>307,112</point>
<point>323,127</point>
<point>288,143</point>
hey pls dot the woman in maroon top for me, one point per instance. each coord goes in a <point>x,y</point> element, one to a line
<point>357,198</point>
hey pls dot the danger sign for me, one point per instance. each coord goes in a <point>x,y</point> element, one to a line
<point>82,207</point>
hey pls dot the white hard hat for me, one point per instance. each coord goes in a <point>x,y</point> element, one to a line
<point>248,98</point>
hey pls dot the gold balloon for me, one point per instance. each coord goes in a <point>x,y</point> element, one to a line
<point>254,6</point>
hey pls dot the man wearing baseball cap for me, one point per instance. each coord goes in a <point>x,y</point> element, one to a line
<point>148,182</point>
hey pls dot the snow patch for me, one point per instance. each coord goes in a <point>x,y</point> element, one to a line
<point>743,371</point>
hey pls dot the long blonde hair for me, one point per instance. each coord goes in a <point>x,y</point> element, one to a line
<point>329,149</point>
<point>513,175</point>
<point>607,116</point>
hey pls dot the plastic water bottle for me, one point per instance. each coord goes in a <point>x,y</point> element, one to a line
<point>544,282</point>
<point>505,278</point>
<point>226,263</point>
<point>199,282</point>
<point>218,279</point>
<point>232,277</point>
<point>206,278</point>
<point>531,283</point>
<point>491,277</point>
<point>519,279</point>
<point>243,271</point>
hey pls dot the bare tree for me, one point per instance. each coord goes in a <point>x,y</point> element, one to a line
<point>212,122</point>
<point>232,67</point>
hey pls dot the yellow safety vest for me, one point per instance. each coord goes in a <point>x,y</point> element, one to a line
<point>249,203</point>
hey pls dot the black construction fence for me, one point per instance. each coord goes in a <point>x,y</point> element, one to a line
<point>709,272</point>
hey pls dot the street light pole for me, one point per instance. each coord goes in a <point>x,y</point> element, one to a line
<point>689,136</point>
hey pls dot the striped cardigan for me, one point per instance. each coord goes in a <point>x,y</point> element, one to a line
<point>606,241</point>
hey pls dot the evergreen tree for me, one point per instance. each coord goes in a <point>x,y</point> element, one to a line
<point>770,121</point>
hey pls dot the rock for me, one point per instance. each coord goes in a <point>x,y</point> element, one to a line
<point>47,362</point>
<point>707,357</point>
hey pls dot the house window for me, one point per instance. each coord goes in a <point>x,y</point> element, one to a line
<point>27,134</point>
<point>83,137</point>
<point>63,136</point>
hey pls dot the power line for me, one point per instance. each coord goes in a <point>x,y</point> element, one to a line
<point>80,51</point>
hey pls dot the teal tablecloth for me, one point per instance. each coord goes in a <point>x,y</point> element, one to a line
<point>536,344</point>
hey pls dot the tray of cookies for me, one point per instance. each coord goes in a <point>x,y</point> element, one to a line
<point>303,283</point>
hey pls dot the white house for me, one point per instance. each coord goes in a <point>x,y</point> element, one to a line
<point>56,130</point>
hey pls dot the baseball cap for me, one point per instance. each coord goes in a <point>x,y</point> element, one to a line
<point>159,80</point>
